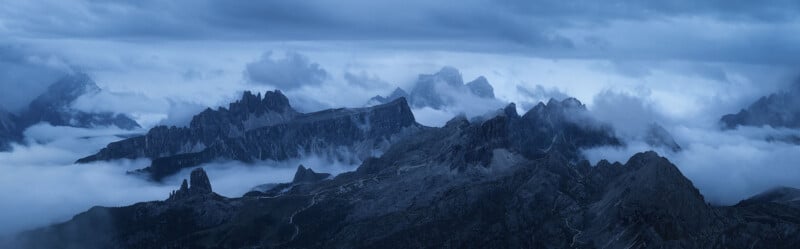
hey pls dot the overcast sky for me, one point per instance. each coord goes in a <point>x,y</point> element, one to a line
<point>680,63</point>
<point>725,52</point>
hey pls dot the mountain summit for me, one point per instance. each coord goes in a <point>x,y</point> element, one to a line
<point>54,106</point>
<point>440,89</point>
<point>777,110</point>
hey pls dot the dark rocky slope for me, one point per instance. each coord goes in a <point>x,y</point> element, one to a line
<point>489,184</point>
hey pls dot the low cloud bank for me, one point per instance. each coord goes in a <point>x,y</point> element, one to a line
<point>726,166</point>
<point>40,185</point>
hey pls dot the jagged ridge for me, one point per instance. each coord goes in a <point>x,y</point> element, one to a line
<point>279,134</point>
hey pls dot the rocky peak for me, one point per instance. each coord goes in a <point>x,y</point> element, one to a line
<point>198,185</point>
<point>307,175</point>
<point>480,87</point>
<point>184,186</point>
<point>198,182</point>
<point>54,106</point>
<point>568,103</point>
<point>556,112</point>
<point>437,90</point>
<point>511,110</point>
<point>650,170</point>
<point>447,74</point>
<point>251,111</point>
<point>66,90</point>
<point>396,94</point>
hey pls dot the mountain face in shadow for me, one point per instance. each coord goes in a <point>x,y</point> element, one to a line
<point>266,128</point>
<point>504,181</point>
<point>465,185</point>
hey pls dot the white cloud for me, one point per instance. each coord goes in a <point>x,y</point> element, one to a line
<point>40,185</point>
<point>726,166</point>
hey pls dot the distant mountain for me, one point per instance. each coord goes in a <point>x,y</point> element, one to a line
<point>439,90</point>
<point>396,94</point>
<point>256,128</point>
<point>779,110</point>
<point>657,136</point>
<point>9,130</point>
<point>54,106</point>
<point>781,195</point>
<point>480,87</point>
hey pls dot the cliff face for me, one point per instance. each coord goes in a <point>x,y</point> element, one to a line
<point>507,181</point>
<point>267,128</point>
<point>432,191</point>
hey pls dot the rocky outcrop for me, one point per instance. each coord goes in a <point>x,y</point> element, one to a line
<point>198,185</point>
<point>306,175</point>
<point>480,87</point>
<point>199,182</point>
<point>257,128</point>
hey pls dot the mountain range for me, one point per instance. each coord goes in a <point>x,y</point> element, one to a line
<point>257,128</point>
<point>506,182</point>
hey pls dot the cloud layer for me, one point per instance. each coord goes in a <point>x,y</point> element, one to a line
<point>40,185</point>
<point>292,71</point>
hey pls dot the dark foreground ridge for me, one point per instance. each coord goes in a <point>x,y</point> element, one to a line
<point>467,185</point>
